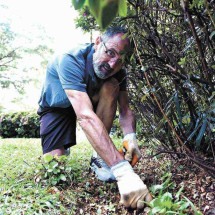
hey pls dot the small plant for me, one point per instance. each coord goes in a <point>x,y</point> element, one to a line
<point>165,203</point>
<point>54,170</point>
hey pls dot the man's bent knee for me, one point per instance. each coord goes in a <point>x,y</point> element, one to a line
<point>108,93</point>
<point>110,88</point>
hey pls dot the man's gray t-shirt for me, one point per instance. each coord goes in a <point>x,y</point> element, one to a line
<point>73,70</point>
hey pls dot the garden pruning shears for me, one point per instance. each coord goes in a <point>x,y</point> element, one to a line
<point>124,150</point>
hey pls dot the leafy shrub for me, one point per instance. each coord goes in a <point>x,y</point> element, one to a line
<point>171,74</point>
<point>166,203</point>
<point>54,171</point>
<point>20,124</point>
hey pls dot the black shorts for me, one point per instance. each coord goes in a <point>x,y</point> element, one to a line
<point>57,128</point>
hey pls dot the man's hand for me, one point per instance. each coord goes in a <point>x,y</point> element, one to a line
<point>132,189</point>
<point>132,153</point>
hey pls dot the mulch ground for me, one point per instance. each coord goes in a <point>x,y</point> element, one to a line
<point>103,198</point>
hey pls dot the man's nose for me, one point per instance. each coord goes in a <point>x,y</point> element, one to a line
<point>114,62</point>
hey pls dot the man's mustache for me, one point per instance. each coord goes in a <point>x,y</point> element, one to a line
<point>106,66</point>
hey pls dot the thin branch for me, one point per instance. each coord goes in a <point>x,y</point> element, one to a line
<point>198,42</point>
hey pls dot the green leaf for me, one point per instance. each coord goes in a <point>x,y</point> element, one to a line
<point>108,13</point>
<point>178,108</point>
<point>156,187</point>
<point>162,211</point>
<point>49,204</point>
<point>78,4</point>
<point>166,176</point>
<point>193,207</point>
<point>47,158</point>
<point>62,177</point>
<point>212,34</point>
<point>53,164</point>
<point>186,119</point>
<point>56,171</point>
<point>184,206</point>
<point>167,204</point>
<point>155,210</point>
<point>49,170</point>
<point>179,193</point>
<point>54,181</point>
<point>175,206</point>
<point>68,169</point>
<point>62,167</point>
<point>143,98</point>
<point>182,61</point>
<point>122,8</point>
<point>195,129</point>
<point>95,7</point>
<point>166,196</point>
<point>173,212</point>
<point>202,131</point>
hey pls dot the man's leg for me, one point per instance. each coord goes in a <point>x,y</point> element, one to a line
<point>106,101</point>
<point>58,152</point>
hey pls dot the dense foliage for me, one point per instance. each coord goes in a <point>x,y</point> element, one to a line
<point>171,75</point>
<point>19,125</point>
<point>104,11</point>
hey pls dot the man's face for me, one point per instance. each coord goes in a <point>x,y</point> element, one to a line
<point>109,56</point>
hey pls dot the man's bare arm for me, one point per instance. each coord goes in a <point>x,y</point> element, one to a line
<point>93,127</point>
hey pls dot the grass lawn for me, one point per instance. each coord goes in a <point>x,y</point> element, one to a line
<point>19,194</point>
<point>23,192</point>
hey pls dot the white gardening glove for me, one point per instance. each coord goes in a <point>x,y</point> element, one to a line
<point>132,189</point>
<point>130,149</point>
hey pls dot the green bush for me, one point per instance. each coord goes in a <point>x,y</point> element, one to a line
<point>19,125</point>
<point>170,75</point>
<point>54,171</point>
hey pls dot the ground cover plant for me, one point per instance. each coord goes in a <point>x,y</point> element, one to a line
<point>25,189</point>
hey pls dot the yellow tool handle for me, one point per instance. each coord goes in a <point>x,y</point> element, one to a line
<point>123,152</point>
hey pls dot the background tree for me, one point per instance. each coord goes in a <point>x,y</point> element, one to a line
<point>8,54</point>
<point>172,74</point>
<point>22,58</point>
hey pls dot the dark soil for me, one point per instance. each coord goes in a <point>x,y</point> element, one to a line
<point>95,197</point>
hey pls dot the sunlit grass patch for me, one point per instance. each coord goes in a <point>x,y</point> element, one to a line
<point>19,164</point>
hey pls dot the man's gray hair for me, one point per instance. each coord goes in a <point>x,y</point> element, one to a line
<point>112,31</point>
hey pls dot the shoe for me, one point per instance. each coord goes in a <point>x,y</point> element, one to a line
<point>101,169</point>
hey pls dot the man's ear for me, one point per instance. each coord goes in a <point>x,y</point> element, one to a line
<point>97,42</point>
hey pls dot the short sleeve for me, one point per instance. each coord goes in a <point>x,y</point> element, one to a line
<point>71,70</point>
